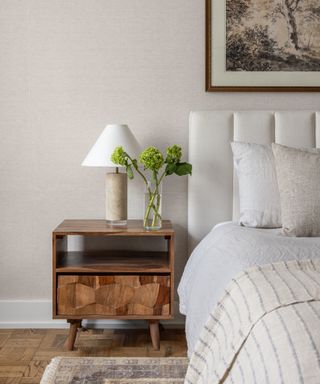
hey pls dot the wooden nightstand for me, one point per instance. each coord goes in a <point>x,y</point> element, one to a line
<point>111,284</point>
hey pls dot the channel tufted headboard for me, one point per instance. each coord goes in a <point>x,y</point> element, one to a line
<point>212,188</point>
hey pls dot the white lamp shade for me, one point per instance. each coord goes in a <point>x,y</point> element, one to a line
<point>114,135</point>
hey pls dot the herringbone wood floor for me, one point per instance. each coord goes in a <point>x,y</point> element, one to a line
<point>24,353</point>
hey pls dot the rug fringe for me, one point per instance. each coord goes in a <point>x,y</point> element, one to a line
<point>50,371</point>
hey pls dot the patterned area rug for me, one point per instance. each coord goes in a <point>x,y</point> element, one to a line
<point>117,370</point>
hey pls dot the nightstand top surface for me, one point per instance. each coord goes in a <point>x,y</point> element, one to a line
<point>101,227</point>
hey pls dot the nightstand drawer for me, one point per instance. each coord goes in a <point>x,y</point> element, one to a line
<point>113,295</point>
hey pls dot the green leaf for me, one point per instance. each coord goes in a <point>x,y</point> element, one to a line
<point>171,168</point>
<point>183,169</point>
<point>129,172</point>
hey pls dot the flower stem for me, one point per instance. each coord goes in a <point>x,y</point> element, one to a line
<point>152,195</point>
<point>156,193</point>
<point>148,209</point>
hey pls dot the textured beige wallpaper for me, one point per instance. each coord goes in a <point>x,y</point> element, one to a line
<point>69,67</point>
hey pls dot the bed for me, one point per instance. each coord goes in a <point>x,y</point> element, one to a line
<point>239,282</point>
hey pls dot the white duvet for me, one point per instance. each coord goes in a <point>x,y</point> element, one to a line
<point>221,255</point>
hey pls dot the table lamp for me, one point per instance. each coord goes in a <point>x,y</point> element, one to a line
<point>114,135</point>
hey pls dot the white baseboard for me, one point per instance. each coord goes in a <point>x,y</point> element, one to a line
<point>38,314</point>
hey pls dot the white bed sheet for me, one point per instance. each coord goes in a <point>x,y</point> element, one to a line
<point>221,255</point>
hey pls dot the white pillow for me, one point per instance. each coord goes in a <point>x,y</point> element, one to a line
<point>258,187</point>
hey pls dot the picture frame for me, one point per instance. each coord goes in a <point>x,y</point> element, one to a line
<point>275,74</point>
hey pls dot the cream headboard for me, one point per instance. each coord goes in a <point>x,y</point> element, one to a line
<point>212,192</point>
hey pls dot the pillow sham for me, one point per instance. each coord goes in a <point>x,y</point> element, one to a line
<point>258,187</point>
<point>298,174</point>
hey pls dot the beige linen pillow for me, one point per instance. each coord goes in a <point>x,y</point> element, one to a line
<point>298,175</point>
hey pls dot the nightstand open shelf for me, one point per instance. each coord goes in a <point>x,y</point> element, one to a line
<point>112,284</point>
<point>113,262</point>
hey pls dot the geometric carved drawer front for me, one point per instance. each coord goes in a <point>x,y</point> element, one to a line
<point>113,295</point>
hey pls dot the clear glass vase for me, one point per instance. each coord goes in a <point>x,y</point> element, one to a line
<point>152,206</point>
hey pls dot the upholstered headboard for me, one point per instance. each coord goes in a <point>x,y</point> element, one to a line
<point>212,191</point>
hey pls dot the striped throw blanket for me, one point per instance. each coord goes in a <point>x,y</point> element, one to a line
<point>265,329</point>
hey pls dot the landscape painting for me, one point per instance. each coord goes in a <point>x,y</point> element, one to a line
<point>273,35</point>
<point>263,45</point>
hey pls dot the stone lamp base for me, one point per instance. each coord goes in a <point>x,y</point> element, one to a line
<point>116,198</point>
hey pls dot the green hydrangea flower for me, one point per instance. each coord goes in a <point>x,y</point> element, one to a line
<point>174,154</point>
<point>119,156</point>
<point>151,158</point>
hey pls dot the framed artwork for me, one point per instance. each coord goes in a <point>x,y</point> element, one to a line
<point>263,45</point>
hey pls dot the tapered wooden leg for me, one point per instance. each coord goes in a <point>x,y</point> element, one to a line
<point>74,325</point>
<point>155,334</point>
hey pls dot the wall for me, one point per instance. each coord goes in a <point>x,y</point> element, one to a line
<point>69,67</point>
